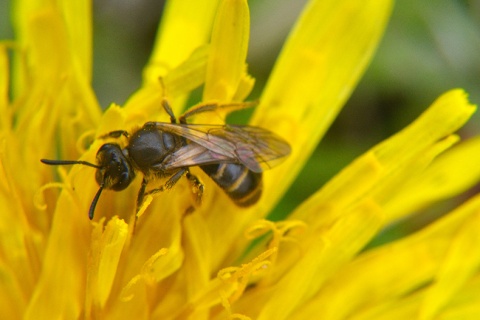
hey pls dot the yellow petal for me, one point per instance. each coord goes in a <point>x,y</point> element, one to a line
<point>396,183</point>
<point>107,246</point>
<point>179,82</point>
<point>4,87</point>
<point>461,262</point>
<point>294,104</point>
<point>185,26</point>
<point>343,190</point>
<point>463,306</point>
<point>453,172</point>
<point>78,23</point>
<point>324,253</point>
<point>198,248</point>
<point>67,28</point>
<point>228,51</point>
<point>112,119</point>
<point>12,299</point>
<point>59,292</point>
<point>55,93</point>
<point>446,115</point>
<point>397,270</point>
<point>393,159</point>
<point>323,59</point>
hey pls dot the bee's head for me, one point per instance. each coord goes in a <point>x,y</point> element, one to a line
<point>114,170</point>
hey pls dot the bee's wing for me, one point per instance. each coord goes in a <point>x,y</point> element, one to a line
<point>193,155</point>
<point>256,148</point>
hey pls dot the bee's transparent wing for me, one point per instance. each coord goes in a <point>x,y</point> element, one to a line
<point>193,155</point>
<point>256,148</point>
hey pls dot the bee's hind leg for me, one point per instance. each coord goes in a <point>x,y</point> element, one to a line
<point>197,187</point>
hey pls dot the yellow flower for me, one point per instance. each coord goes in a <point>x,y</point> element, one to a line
<point>214,260</point>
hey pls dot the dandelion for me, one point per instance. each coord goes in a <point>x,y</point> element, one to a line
<point>214,260</point>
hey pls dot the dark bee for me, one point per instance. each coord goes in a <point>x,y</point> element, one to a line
<point>234,156</point>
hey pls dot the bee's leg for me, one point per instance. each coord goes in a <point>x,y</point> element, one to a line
<point>197,187</point>
<point>114,134</point>
<point>174,178</point>
<point>140,197</point>
<point>168,110</point>
<point>170,182</point>
<point>141,193</point>
<point>214,106</point>
<point>165,103</point>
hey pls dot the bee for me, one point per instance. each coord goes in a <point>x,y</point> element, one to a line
<point>233,156</point>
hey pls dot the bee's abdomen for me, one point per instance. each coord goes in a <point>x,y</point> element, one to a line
<point>242,185</point>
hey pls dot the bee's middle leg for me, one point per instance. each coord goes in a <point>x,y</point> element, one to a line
<point>197,186</point>
<point>170,182</point>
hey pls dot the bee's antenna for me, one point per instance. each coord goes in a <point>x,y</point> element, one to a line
<point>91,211</point>
<point>85,163</point>
<point>68,162</point>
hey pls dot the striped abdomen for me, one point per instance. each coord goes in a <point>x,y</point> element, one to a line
<point>242,185</point>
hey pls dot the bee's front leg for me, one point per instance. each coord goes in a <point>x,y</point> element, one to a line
<point>215,106</point>
<point>141,193</point>
<point>114,134</point>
